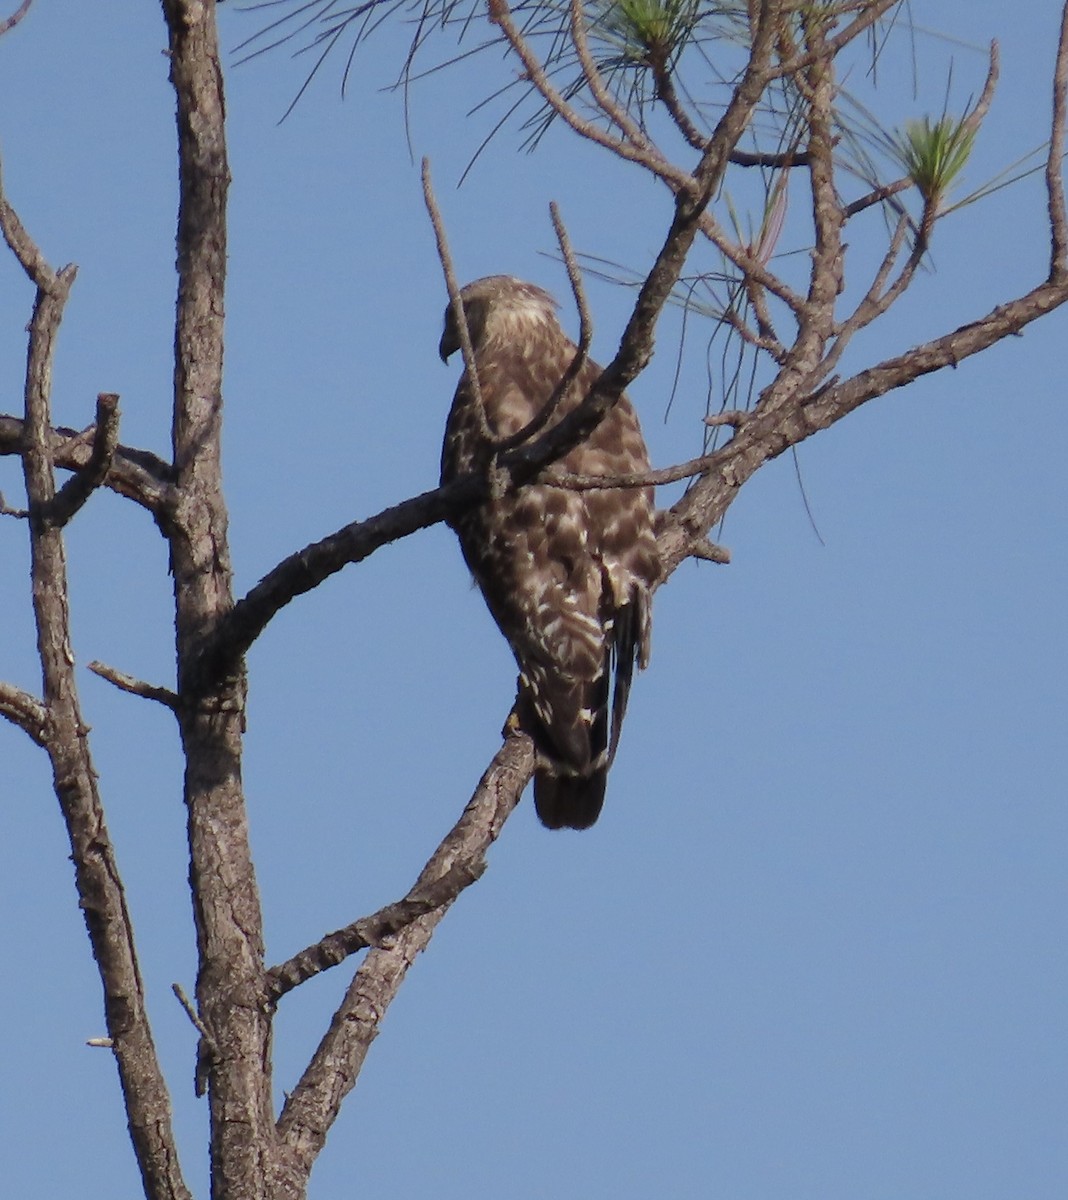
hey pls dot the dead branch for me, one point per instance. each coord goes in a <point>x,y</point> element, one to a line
<point>669,97</point>
<point>136,474</point>
<point>574,275</point>
<point>767,434</point>
<point>25,711</point>
<point>1058,220</point>
<point>97,879</point>
<point>861,24</point>
<point>736,418</point>
<point>746,158</point>
<point>456,305</point>
<point>639,479</point>
<point>81,485</point>
<point>23,247</point>
<point>6,510</point>
<point>373,930</point>
<point>605,101</point>
<point>135,687</point>
<point>710,552</point>
<point>975,118</point>
<point>877,196</point>
<point>644,154</point>
<point>582,352</point>
<point>816,319</point>
<point>16,16</point>
<point>315,1101</point>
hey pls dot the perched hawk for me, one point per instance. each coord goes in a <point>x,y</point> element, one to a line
<point>567,575</point>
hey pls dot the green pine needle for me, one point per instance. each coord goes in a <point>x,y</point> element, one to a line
<point>650,31</point>
<point>934,154</point>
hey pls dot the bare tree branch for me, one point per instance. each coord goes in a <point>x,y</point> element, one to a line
<point>136,687</point>
<point>100,892</point>
<point>574,275</point>
<point>452,286</point>
<point>747,158</point>
<point>16,16</point>
<point>710,552</point>
<point>816,319</point>
<point>136,474</point>
<point>25,711</point>
<point>877,196</point>
<point>1058,221</point>
<point>640,479</point>
<point>644,153</point>
<point>582,351</point>
<point>334,948</point>
<point>81,485</point>
<point>315,1101</point>
<point>605,101</point>
<point>975,118</point>
<point>767,434</point>
<point>869,14</point>
<point>23,246</point>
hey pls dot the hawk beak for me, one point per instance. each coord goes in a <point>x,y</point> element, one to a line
<point>446,346</point>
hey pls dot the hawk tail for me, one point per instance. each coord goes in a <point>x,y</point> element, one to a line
<point>569,801</point>
<point>625,649</point>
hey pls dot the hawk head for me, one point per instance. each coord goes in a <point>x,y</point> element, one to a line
<point>497,308</point>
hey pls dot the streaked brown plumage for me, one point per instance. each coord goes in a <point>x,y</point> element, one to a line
<point>567,575</point>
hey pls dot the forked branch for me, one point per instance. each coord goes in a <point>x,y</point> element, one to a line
<point>315,1101</point>
<point>63,731</point>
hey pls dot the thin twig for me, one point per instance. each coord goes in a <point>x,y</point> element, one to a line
<point>7,511</point>
<point>665,91</point>
<point>877,196</point>
<point>16,16</point>
<point>645,155</point>
<point>604,99</point>
<point>582,351</point>
<point>776,162</point>
<point>749,265</point>
<point>192,1014</point>
<point>767,339</point>
<point>878,298</point>
<point>207,1050</point>
<point>735,417</point>
<point>24,248</point>
<point>636,479</point>
<point>574,276</point>
<point>711,552</point>
<point>456,304</point>
<point>975,118</point>
<point>1058,221</point>
<point>135,687</point>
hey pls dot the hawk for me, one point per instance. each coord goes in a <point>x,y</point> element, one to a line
<point>566,574</point>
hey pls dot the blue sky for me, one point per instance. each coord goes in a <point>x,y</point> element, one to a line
<point>815,946</point>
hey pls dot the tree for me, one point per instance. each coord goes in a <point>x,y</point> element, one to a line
<point>808,387</point>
